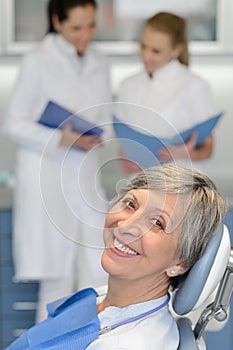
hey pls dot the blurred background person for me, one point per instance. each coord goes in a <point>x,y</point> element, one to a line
<point>49,238</point>
<point>169,89</point>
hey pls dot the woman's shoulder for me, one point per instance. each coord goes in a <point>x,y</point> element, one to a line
<point>133,80</point>
<point>95,51</point>
<point>192,77</point>
<point>97,58</point>
<point>42,50</point>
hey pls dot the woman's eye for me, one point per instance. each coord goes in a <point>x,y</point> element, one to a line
<point>155,51</point>
<point>142,46</point>
<point>157,223</point>
<point>129,203</point>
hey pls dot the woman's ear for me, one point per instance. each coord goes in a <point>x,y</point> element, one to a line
<point>175,270</point>
<point>177,50</point>
<point>56,23</point>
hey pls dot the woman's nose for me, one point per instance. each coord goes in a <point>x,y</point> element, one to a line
<point>146,55</point>
<point>134,226</point>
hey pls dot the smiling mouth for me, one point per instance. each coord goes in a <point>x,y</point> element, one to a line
<point>123,248</point>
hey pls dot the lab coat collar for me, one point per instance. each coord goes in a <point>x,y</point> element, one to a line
<point>64,44</point>
<point>70,50</point>
<point>121,314</point>
<point>167,71</point>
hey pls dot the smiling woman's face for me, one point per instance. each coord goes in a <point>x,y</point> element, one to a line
<point>141,236</point>
<point>157,49</point>
<point>79,27</point>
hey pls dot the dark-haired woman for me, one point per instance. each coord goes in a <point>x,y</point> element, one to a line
<point>51,214</point>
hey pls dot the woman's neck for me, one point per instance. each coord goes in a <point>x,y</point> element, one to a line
<point>122,293</point>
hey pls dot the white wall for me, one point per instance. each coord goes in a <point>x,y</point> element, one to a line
<point>217,70</point>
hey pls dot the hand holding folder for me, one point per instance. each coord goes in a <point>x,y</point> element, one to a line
<point>143,149</point>
<point>56,116</point>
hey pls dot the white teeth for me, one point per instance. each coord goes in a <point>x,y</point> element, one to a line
<point>123,248</point>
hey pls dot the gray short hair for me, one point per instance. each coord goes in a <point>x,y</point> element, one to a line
<point>205,207</point>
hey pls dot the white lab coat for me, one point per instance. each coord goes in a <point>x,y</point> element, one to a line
<point>173,100</point>
<point>158,331</point>
<point>56,199</point>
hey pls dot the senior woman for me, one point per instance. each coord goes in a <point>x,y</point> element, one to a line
<point>153,234</point>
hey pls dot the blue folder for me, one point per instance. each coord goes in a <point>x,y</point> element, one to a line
<point>56,116</point>
<point>143,149</point>
<point>203,130</point>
